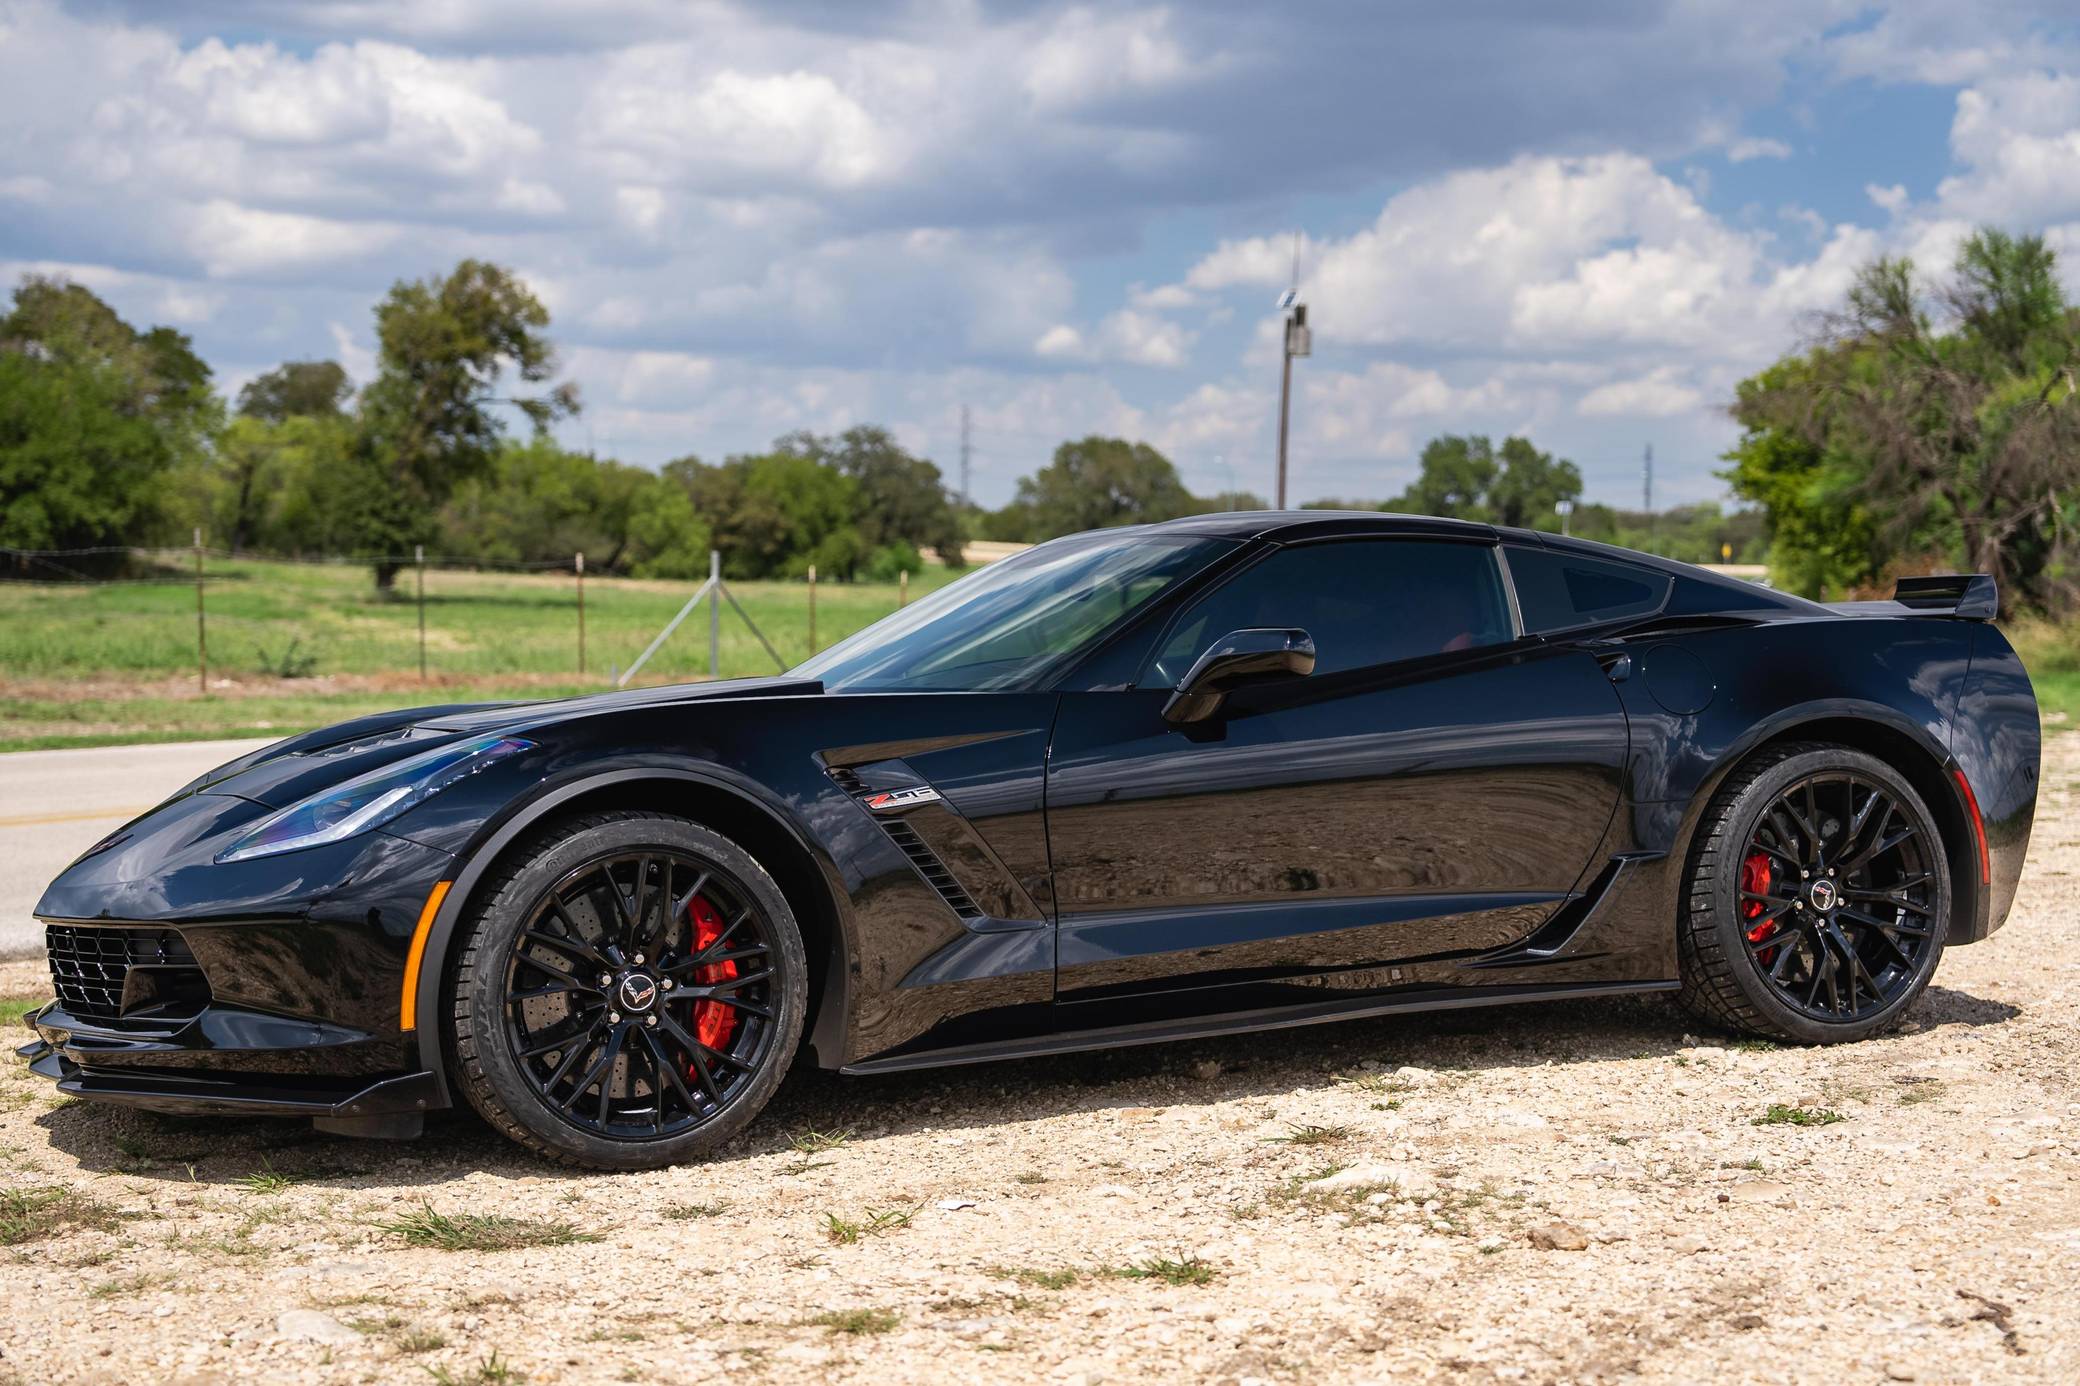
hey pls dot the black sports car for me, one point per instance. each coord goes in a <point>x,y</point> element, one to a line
<point>1234,772</point>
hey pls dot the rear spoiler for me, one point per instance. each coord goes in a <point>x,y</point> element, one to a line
<point>1967,596</point>
<point>1955,596</point>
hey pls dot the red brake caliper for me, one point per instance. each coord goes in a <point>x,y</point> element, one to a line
<point>1755,879</point>
<point>713,1021</point>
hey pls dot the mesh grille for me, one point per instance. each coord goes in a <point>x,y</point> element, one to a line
<point>90,966</point>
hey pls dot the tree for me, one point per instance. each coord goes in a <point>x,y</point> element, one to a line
<point>427,420</point>
<point>775,514</point>
<point>1531,486</point>
<point>96,418</point>
<point>1453,481</point>
<point>902,500</point>
<point>297,390</point>
<point>1961,439</point>
<point>1095,483</point>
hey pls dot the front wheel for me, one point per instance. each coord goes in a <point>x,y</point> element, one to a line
<point>1818,898</point>
<point>630,992</point>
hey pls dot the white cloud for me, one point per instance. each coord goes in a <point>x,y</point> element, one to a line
<point>2018,137</point>
<point>1658,395</point>
<point>657,110</point>
<point>1743,150</point>
<point>1087,56</point>
<point>232,241</point>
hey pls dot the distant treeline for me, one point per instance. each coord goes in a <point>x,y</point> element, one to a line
<point>109,435</point>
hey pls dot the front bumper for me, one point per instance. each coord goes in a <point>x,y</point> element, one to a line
<point>198,1094</point>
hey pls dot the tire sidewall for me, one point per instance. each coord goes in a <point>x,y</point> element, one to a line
<point>481,994</point>
<point>1745,813</point>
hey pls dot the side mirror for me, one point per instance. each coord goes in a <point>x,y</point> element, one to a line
<point>1238,659</point>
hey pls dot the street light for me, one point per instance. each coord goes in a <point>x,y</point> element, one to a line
<point>1299,341</point>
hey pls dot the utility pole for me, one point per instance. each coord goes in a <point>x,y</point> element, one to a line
<point>1646,477</point>
<point>1299,341</point>
<point>967,496</point>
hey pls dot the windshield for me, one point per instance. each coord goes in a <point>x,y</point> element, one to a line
<point>1010,624</point>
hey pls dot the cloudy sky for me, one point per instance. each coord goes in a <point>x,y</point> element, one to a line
<point>751,218</point>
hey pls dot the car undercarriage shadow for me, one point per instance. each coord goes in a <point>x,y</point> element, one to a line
<point>227,1151</point>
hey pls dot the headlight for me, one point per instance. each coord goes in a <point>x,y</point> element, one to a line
<point>372,800</point>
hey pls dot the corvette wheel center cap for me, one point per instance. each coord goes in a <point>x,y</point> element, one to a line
<point>638,992</point>
<point>1824,895</point>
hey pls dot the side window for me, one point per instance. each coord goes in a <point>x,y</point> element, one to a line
<point>1365,602</point>
<point>1559,591</point>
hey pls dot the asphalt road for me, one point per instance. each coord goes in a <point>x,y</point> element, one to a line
<point>54,804</point>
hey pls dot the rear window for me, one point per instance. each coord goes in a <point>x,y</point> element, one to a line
<point>1559,591</point>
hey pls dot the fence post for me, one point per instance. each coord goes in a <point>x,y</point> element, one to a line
<point>812,608</point>
<point>581,614</point>
<point>201,628</point>
<point>419,560</point>
<point>902,588</point>
<point>714,616</point>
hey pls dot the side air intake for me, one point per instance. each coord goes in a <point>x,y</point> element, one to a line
<point>915,848</point>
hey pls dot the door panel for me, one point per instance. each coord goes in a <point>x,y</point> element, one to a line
<point>1329,825</point>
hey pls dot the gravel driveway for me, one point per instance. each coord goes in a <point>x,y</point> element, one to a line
<point>1582,1192</point>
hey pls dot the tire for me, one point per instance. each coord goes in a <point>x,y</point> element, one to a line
<point>1741,892</point>
<point>583,941</point>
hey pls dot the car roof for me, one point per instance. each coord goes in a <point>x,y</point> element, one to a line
<point>1288,526</point>
<point>1308,524</point>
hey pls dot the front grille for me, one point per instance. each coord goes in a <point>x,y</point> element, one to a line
<point>107,974</point>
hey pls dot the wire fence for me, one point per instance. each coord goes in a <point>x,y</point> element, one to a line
<point>121,609</point>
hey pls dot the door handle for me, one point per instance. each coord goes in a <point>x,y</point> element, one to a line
<point>1615,659</point>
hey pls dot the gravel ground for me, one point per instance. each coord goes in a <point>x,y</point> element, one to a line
<point>1561,1193</point>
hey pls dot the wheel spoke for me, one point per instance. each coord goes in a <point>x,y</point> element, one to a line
<point>568,947</point>
<point>559,989</point>
<point>694,1048</point>
<point>608,1049</point>
<point>581,1045</point>
<point>668,1072</point>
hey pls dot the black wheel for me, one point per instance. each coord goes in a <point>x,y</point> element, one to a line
<point>629,993</point>
<point>1819,896</point>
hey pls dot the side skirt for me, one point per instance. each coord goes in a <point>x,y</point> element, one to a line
<point>1242,1022</point>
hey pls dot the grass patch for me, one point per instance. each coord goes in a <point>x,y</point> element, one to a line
<point>30,1215</point>
<point>808,1145</point>
<point>480,1231</point>
<point>856,1323</point>
<point>489,1371</point>
<point>1918,1093</point>
<point>689,1212</point>
<point>1781,1115</point>
<point>1189,1270</point>
<point>265,1180</point>
<point>1311,1134</point>
<point>846,1231</point>
<point>13,1008</point>
<point>1060,1279</point>
<point>129,1286</point>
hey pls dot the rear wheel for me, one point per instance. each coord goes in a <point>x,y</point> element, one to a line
<point>1818,899</point>
<point>630,992</point>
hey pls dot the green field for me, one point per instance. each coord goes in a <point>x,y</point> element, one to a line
<point>293,646</point>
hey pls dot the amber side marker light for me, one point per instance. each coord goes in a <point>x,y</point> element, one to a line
<point>1971,802</point>
<point>408,1003</point>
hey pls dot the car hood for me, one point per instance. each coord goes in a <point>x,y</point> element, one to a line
<point>289,771</point>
